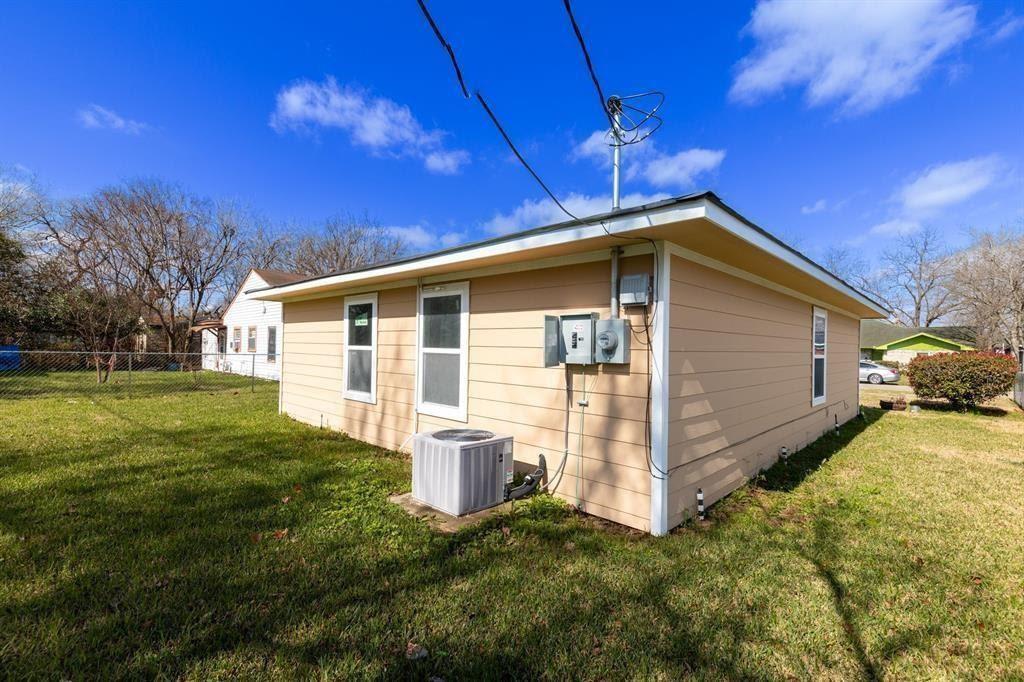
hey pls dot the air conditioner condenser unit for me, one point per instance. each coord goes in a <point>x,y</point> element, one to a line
<point>458,471</point>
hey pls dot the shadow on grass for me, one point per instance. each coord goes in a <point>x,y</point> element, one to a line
<point>943,406</point>
<point>163,562</point>
<point>785,475</point>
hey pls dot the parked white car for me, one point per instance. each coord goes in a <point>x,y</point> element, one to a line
<point>877,374</point>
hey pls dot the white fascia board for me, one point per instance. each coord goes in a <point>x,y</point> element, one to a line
<point>731,223</point>
<point>621,226</point>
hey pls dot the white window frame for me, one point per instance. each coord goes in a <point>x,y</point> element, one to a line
<point>252,334</point>
<point>459,413</point>
<point>360,396</point>
<point>818,400</point>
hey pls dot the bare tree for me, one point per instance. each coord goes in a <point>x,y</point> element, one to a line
<point>988,282</point>
<point>916,279</point>
<point>853,269</point>
<point>261,248</point>
<point>346,242</point>
<point>166,248</point>
<point>17,196</point>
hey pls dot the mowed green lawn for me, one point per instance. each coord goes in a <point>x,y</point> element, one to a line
<point>202,535</point>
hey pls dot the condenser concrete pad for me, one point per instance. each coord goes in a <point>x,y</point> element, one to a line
<point>438,520</point>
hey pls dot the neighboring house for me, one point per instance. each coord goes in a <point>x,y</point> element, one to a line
<point>248,335</point>
<point>152,337</point>
<point>745,348</point>
<point>882,341</point>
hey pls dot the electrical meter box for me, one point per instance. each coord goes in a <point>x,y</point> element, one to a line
<point>578,338</point>
<point>611,341</point>
<point>585,340</point>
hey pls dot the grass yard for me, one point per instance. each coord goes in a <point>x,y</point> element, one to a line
<point>201,535</point>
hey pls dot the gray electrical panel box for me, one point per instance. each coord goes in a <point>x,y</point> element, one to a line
<point>578,338</point>
<point>585,340</point>
<point>633,290</point>
<point>611,341</point>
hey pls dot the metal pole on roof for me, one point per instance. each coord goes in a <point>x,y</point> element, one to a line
<point>615,106</point>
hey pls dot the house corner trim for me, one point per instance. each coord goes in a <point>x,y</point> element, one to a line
<point>660,392</point>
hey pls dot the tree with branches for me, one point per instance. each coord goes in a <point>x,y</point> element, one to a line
<point>345,242</point>
<point>987,281</point>
<point>157,244</point>
<point>917,278</point>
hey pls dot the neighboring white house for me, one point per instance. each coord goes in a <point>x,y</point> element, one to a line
<point>250,330</point>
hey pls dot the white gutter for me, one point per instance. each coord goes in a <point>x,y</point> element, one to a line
<point>699,207</point>
<point>620,226</point>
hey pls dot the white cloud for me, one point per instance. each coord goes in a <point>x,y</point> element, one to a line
<point>817,207</point>
<point>645,160</point>
<point>948,183</point>
<point>934,189</point>
<point>681,169</point>
<point>895,227</point>
<point>383,126</point>
<point>858,54</point>
<point>419,238</point>
<point>99,118</point>
<point>536,213</point>
<point>1008,27</point>
<point>595,148</point>
<point>450,239</point>
<point>446,162</point>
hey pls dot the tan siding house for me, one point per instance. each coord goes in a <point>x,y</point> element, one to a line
<point>725,364</point>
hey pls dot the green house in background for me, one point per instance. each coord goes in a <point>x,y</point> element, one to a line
<point>882,341</point>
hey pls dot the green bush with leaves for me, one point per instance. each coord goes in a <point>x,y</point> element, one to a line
<point>964,379</point>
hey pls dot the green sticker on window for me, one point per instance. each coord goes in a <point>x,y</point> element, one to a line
<point>362,320</point>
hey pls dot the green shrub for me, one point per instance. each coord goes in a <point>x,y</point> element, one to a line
<point>964,379</point>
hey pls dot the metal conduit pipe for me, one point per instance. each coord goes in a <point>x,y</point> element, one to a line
<point>615,283</point>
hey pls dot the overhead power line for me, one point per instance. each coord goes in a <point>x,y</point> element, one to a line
<point>490,113</point>
<point>590,65</point>
<point>447,46</point>
<point>512,146</point>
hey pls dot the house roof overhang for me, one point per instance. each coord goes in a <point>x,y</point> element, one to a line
<point>701,224</point>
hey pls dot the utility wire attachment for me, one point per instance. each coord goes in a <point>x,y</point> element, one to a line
<point>447,46</point>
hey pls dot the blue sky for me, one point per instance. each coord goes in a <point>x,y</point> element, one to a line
<point>826,123</point>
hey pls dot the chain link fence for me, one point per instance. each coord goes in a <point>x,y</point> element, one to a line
<point>1018,390</point>
<point>40,374</point>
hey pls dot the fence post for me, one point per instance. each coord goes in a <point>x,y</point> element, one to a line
<point>253,382</point>
<point>130,373</point>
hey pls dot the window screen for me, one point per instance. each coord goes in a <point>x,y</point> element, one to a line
<point>819,354</point>
<point>361,348</point>
<point>444,338</point>
<point>252,340</point>
<point>271,344</point>
<point>236,342</point>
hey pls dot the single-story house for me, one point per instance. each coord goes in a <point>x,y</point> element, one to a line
<point>744,351</point>
<point>248,335</point>
<point>883,341</point>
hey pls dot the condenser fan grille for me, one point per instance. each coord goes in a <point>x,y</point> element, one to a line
<point>463,435</point>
